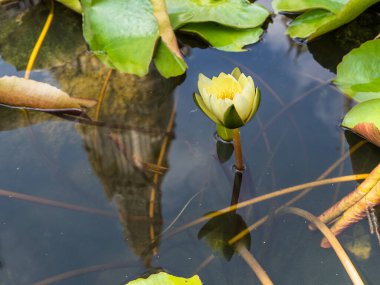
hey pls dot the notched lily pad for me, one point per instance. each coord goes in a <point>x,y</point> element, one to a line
<point>358,75</point>
<point>164,278</point>
<point>320,16</point>
<point>364,120</point>
<point>25,93</point>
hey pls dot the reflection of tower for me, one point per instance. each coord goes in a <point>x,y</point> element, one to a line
<point>124,156</point>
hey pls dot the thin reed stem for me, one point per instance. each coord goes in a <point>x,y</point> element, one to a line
<point>342,255</point>
<point>255,266</point>
<point>40,41</point>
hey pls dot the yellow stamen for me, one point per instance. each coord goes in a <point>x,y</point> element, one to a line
<point>224,87</point>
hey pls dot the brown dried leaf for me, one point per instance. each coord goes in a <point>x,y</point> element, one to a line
<point>26,93</point>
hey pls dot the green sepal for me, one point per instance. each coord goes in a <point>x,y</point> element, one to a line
<point>231,118</point>
<point>236,73</point>
<point>224,133</point>
<point>256,104</point>
<point>199,102</point>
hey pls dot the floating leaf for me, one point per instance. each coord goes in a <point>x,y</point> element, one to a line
<point>122,33</point>
<point>358,75</point>
<point>320,16</point>
<point>304,5</point>
<point>26,93</point>
<point>125,33</point>
<point>364,120</point>
<point>164,278</point>
<point>224,38</point>
<point>72,4</point>
<point>233,13</point>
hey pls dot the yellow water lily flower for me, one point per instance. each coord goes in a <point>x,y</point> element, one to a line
<point>230,100</point>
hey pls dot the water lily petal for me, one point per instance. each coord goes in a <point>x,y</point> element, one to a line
<point>256,104</point>
<point>232,119</point>
<point>249,91</point>
<point>201,104</point>
<point>243,80</point>
<point>242,106</point>
<point>236,73</point>
<point>203,82</point>
<point>219,106</point>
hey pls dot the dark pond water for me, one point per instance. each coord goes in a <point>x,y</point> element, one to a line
<point>74,202</point>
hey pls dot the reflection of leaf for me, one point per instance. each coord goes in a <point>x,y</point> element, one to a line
<point>220,230</point>
<point>364,120</point>
<point>19,92</point>
<point>330,49</point>
<point>359,73</point>
<point>163,278</point>
<point>224,38</point>
<point>224,151</point>
<point>321,16</point>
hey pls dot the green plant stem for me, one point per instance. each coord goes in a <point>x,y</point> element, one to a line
<point>238,151</point>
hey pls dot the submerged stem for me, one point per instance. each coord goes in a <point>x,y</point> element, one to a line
<point>39,42</point>
<point>238,151</point>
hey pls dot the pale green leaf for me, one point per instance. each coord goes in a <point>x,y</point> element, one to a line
<point>224,38</point>
<point>304,5</point>
<point>358,75</point>
<point>167,63</point>
<point>123,33</point>
<point>72,4</point>
<point>320,19</point>
<point>233,13</point>
<point>364,120</point>
<point>163,278</point>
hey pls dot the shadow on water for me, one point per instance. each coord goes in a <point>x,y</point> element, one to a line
<point>152,176</point>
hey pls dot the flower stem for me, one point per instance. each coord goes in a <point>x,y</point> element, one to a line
<point>238,152</point>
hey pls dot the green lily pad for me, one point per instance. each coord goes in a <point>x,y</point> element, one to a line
<point>320,16</point>
<point>72,4</point>
<point>224,38</point>
<point>163,278</point>
<point>304,5</point>
<point>123,33</point>
<point>358,75</point>
<point>167,63</point>
<point>233,13</point>
<point>364,120</point>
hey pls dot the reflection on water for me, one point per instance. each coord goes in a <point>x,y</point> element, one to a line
<point>292,140</point>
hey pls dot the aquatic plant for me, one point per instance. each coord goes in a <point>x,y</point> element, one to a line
<point>230,101</point>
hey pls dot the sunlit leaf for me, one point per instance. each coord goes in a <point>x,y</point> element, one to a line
<point>122,33</point>
<point>364,120</point>
<point>72,4</point>
<point>125,33</point>
<point>232,13</point>
<point>224,38</point>
<point>163,278</point>
<point>320,16</point>
<point>167,63</point>
<point>358,75</point>
<point>304,5</point>
<point>19,92</point>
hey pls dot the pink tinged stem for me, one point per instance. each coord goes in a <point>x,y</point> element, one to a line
<point>355,213</point>
<point>351,199</point>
